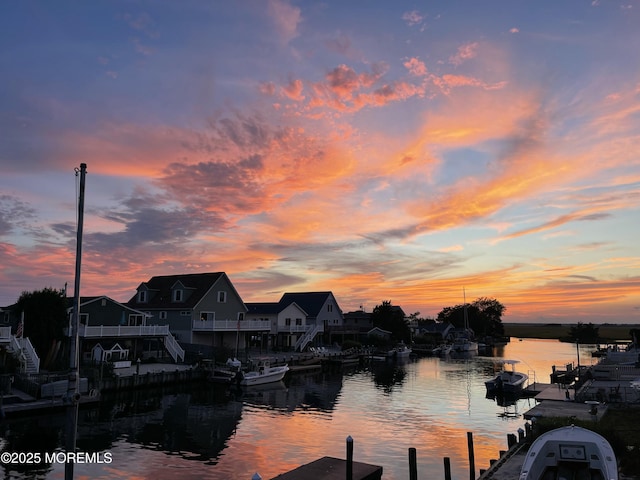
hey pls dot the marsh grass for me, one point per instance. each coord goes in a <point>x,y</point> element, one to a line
<point>608,332</point>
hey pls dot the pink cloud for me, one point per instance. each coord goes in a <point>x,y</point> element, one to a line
<point>464,53</point>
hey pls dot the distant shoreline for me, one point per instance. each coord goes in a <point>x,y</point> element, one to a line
<point>556,331</point>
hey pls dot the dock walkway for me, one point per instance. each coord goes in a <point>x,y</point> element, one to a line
<point>330,468</point>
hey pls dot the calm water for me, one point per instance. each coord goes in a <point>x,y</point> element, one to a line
<point>205,432</point>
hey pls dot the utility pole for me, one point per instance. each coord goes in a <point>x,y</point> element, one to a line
<point>73,391</point>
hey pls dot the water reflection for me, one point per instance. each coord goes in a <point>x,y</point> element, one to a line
<point>207,431</point>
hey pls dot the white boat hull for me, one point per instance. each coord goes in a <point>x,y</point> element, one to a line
<point>268,375</point>
<point>570,452</point>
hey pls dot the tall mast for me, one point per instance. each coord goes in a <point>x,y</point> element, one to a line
<point>466,317</point>
<point>73,393</point>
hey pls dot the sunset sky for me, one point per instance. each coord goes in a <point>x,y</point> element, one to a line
<point>399,151</point>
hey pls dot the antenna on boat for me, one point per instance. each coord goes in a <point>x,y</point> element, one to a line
<point>73,392</point>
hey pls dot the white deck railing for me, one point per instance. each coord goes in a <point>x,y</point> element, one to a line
<point>30,352</point>
<point>305,339</point>
<point>174,348</point>
<point>230,325</point>
<point>123,331</point>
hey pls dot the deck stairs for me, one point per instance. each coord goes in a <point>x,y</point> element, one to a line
<point>174,348</point>
<point>307,338</point>
<point>22,349</point>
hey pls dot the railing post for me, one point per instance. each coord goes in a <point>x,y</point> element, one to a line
<point>349,458</point>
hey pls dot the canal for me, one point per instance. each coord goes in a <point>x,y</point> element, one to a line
<point>207,432</point>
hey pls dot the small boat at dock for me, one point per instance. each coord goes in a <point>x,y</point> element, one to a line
<point>508,380</point>
<point>399,351</point>
<point>570,453</point>
<point>264,373</point>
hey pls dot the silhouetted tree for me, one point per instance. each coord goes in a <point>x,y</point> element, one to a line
<point>391,318</point>
<point>584,333</point>
<point>45,317</point>
<point>484,316</point>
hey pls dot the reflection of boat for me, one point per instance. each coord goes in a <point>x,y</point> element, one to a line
<point>507,381</point>
<point>570,452</point>
<point>399,351</point>
<point>265,373</point>
<point>442,350</point>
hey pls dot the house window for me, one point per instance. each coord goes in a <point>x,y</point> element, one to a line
<point>162,316</point>
<point>240,316</point>
<point>185,313</point>
<point>298,321</point>
<point>330,308</point>
<point>287,321</point>
<point>207,316</point>
<point>135,320</point>
<point>222,297</point>
<point>177,295</point>
<point>103,302</point>
<point>142,296</point>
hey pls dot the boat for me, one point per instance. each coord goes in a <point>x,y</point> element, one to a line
<point>464,345</point>
<point>230,373</point>
<point>570,453</point>
<point>508,380</point>
<point>264,373</point>
<point>399,351</point>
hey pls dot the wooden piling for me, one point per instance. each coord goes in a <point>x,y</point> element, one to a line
<point>447,468</point>
<point>349,458</point>
<point>413,464</point>
<point>472,460</point>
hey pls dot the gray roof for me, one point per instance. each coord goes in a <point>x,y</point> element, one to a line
<point>310,302</point>
<point>199,283</point>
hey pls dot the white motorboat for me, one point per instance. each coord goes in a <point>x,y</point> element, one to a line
<point>570,453</point>
<point>508,380</point>
<point>264,373</point>
<point>399,351</point>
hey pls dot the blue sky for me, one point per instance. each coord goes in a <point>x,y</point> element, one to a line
<point>394,151</point>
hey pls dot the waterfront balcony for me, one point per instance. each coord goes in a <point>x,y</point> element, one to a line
<point>231,326</point>
<point>291,329</point>
<point>106,331</point>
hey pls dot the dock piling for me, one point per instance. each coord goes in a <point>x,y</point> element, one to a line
<point>349,458</point>
<point>472,461</point>
<point>413,464</point>
<point>447,468</point>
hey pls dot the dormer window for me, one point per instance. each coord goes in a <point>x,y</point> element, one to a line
<point>142,296</point>
<point>222,297</point>
<point>177,295</point>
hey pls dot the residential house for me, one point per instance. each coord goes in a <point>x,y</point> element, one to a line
<point>14,342</point>
<point>356,325</point>
<point>288,323</point>
<point>323,315</point>
<point>437,332</point>
<point>203,310</point>
<point>111,331</point>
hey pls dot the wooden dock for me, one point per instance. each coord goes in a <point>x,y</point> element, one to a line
<point>330,468</point>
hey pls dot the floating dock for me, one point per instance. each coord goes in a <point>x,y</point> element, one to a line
<point>330,468</point>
